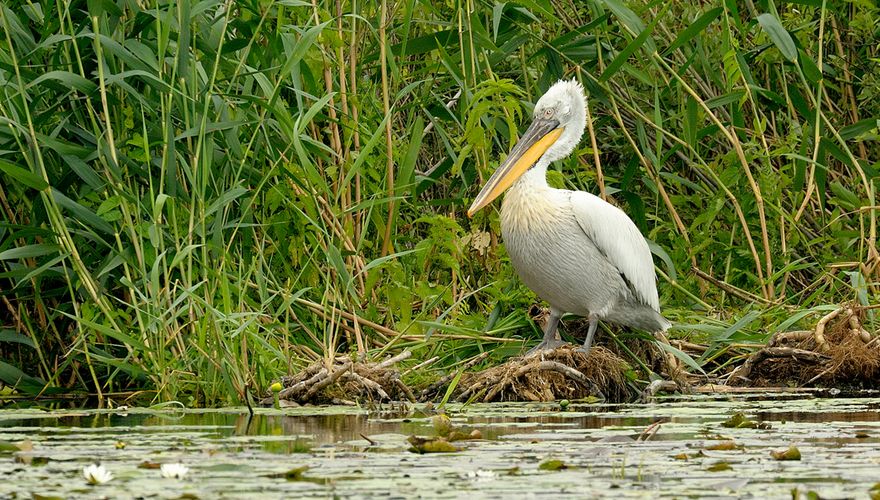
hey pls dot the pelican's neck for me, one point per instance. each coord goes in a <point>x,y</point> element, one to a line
<point>530,203</point>
<point>533,181</point>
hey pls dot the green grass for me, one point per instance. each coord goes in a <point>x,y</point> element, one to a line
<point>198,198</point>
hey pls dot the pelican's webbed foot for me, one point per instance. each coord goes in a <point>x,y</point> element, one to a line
<point>546,345</point>
<point>551,340</point>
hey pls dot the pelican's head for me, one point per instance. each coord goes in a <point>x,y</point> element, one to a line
<point>557,126</point>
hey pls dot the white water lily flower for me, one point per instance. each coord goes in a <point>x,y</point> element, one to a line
<point>96,474</point>
<point>173,471</point>
<point>481,475</point>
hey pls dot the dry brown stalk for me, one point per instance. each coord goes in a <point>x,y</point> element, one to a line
<point>727,287</point>
<point>386,108</point>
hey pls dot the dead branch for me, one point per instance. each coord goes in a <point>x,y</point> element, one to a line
<point>333,377</point>
<point>819,336</point>
<point>395,359</point>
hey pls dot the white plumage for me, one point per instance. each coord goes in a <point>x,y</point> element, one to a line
<point>618,238</point>
<point>579,253</point>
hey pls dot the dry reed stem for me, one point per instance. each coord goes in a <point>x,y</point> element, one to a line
<point>727,287</point>
<point>386,108</point>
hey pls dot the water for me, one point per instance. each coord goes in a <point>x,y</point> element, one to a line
<point>232,455</point>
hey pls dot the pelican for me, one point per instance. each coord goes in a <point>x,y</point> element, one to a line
<point>574,250</point>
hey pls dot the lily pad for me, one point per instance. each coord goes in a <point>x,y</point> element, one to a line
<point>792,453</point>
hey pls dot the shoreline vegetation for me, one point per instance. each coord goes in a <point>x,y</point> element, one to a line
<point>198,199</point>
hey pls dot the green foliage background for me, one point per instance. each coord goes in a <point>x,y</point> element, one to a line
<point>200,197</point>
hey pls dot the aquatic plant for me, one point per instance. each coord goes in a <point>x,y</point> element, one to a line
<point>96,474</point>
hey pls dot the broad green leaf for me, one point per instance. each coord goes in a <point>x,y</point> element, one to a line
<point>29,251</point>
<point>12,376</point>
<point>682,356</point>
<point>779,36</point>
<point>68,79</point>
<point>13,336</point>
<point>81,213</point>
<point>23,175</point>
<point>408,165</point>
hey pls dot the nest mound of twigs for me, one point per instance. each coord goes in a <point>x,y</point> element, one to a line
<point>839,352</point>
<point>562,373</point>
<point>345,380</point>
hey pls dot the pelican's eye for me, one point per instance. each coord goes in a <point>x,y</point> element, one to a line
<point>548,113</point>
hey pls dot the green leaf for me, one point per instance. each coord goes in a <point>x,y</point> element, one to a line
<point>631,21</point>
<point>13,336</point>
<point>682,356</point>
<point>334,258</point>
<point>694,29</point>
<point>23,176</point>
<point>859,128</point>
<point>28,251</point>
<point>81,213</point>
<point>450,389</point>
<point>624,55</point>
<point>779,36</point>
<point>68,79</point>
<point>811,71</point>
<point>667,260</point>
<point>21,381</point>
<point>408,165</point>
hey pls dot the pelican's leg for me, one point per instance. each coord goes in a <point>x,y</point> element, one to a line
<point>591,331</point>
<point>551,339</point>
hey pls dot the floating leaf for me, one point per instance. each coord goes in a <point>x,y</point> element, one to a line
<point>552,465</point>
<point>792,453</point>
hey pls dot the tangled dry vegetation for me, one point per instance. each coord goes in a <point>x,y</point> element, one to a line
<point>344,381</point>
<point>562,373</point>
<point>838,352</point>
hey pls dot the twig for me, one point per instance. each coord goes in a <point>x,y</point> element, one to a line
<point>406,390</point>
<point>369,384</point>
<point>727,389</point>
<point>372,443</point>
<point>650,430</point>
<point>727,287</point>
<point>657,386</point>
<point>395,359</point>
<point>421,365</point>
<point>789,337</point>
<point>449,104</point>
<point>386,109</point>
<point>544,365</point>
<point>320,309</point>
<point>299,386</point>
<point>333,377</point>
<point>685,345</point>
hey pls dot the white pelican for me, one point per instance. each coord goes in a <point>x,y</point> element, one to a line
<point>579,253</point>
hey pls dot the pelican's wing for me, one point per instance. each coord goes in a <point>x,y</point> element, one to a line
<point>617,236</point>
